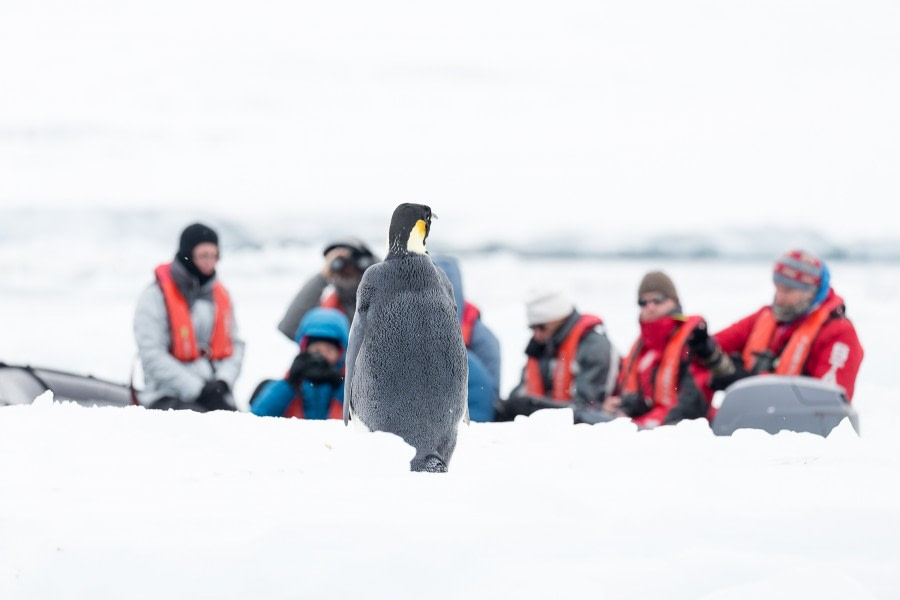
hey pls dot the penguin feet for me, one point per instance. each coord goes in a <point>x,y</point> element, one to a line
<point>430,464</point>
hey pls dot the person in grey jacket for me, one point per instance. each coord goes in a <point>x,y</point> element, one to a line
<point>185,330</point>
<point>571,362</point>
<point>334,287</point>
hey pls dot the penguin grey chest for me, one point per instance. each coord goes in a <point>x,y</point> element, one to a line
<point>407,365</point>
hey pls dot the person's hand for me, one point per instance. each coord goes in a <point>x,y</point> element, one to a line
<point>339,252</point>
<point>535,349</point>
<point>699,342</point>
<point>298,369</point>
<point>313,368</point>
<point>320,371</point>
<point>722,379</point>
<point>612,404</point>
<point>215,395</point>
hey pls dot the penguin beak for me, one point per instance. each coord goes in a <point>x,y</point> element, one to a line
<point>434,216</point>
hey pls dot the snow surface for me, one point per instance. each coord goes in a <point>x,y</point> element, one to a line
<point>128,503</point>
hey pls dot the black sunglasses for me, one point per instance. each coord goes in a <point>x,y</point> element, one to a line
<point>539,327</point>
<point>654,300</point>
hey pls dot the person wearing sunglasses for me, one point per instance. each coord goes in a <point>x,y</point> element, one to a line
<point>804,331</point>
<point>660,382</point>
<point>570,360</point>
<point>334,286</point>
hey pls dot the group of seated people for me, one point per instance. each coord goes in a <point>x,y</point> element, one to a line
<point>191,352</point>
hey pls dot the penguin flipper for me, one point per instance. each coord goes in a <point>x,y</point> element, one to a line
<point>346,408</point>
<point>357,335</point>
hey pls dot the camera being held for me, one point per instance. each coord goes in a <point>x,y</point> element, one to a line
<point>312,366</point>
<point>343,263</point>
<point>334,285</point>
<point>360,262</point>
<point>313,387</point>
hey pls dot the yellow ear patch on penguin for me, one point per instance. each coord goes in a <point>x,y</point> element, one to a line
<point>416,241</point>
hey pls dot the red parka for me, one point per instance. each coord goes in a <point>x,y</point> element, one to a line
<point>659,383</point>
<point>822,344</point>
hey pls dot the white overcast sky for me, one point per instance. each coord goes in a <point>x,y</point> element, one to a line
<point>559,115</point>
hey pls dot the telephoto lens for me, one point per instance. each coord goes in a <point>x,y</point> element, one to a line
<point>338,264</point>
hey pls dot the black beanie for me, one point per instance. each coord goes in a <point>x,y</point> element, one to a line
<point>191,237</point>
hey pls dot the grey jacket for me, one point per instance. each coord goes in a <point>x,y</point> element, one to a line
<point>595,368</point>
<point>165,375</point>
<point>309,297</point>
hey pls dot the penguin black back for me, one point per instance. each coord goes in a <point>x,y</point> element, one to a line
<point>410,225</point>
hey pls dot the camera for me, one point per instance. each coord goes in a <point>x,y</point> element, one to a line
<point>360,261</point>
<point>338,264</point>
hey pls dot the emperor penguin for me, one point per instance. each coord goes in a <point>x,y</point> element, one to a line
<point>406,367</point>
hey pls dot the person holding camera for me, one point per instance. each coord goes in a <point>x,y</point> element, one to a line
<point>334,286</point>
<point>313,387</point>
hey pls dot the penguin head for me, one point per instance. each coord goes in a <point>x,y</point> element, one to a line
<point>410,225</point>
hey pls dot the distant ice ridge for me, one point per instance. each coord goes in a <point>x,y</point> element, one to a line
<point>151,228</point>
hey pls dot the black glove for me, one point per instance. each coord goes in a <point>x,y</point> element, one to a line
<point>535,349</point>
<point>313,368</point>
<point>710,354</point>
<point>634,404</point>
<point>215,395</point>
<point>702,346</point>
<point>298,369</point>
<point>720,381</point>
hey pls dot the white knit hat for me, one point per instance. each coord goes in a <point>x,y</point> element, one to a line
<point>545,306</point>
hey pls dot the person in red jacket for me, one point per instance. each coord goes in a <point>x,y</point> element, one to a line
<point>805,331</point>
<point>661,382</point>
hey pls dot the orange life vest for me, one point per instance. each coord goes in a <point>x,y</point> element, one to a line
<point>333,301</point>
<point>562,373</point>
<point>184,342</point>
<point>470,314</point>
<point>295,409</point>
<point>796,351</point>
<point>665,384</point>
